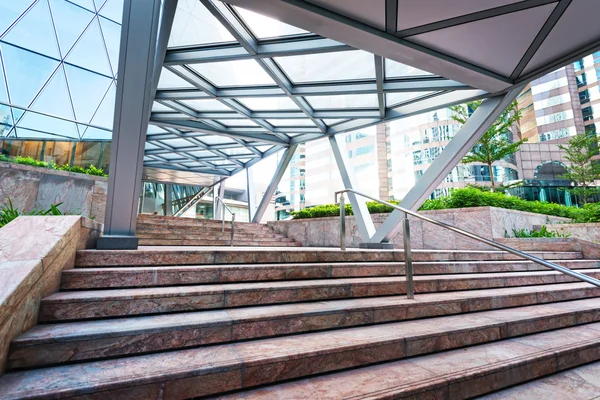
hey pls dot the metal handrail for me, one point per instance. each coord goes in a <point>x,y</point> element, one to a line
<point>408,253</point>
<point>223,219</point>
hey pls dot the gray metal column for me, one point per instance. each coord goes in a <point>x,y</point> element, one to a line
<point>137,74</point>
<point>457,148</point>
<point>168,199</point>
<point>218,210</point>
<point>250,193</point>
<point>364,223</point>
<point>281,167</point>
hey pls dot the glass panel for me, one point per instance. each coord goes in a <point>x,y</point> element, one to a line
<point>268,103</point>
<point>113,9</point>
<point>177,143</point>
<point>70,21</point>
<point>98,134</point>
<point>290,122</point>
<point>200,153</point>
<point>234,73</point>
<point>87,91</point>
<point>89,4</point>
<point>3,90</point>
<point>395,98</point>
<point>237,122</point>
<point>194,25</point>
<point>329,121</point>
<point>89,52</point>
<point>157,107</point>
<point>169,80</point>
<point>10,11</point>
<point>106,112</point>
<point>112,37</point>
<point>343,101</point>
<point>394,69</point>
<point>336,66</point>
<point>264,27</point>
<point>54,99</point>
<point>155,130</point>
<point>99,3</point>
<point>6,121</point>
<point>87,153</point>
<point>26,72</point>
<point>236,151</point>
<point>35,31</point>
<point>262,149</point>
<point>205,105</point>
<point>214,139</point>
<point>47,125</point>
<point>150,146</point>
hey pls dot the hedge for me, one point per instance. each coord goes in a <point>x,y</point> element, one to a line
<point>470,197</point>
<point>91,170</point>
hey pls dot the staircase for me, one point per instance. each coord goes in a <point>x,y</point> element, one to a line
<point>304,324</point>
<point>174,231</point>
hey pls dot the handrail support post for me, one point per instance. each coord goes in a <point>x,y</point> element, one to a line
<point>342,223</point>
<point>408,264</point>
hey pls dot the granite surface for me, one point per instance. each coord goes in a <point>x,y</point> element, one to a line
<point>33,187</point>
<point>589,231</point>
<point>33,252</point>
<point>488,222</point>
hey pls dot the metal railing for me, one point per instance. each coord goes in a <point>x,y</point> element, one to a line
<point>408,253</point>
<point>223,219</point>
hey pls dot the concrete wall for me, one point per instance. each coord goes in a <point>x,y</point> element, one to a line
<point>489,222</point>
<point>34,187</point>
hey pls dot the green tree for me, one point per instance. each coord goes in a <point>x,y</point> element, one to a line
<point>582,169</point>
<point>496,143</point>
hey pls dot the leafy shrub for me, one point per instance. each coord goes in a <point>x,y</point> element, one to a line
<point>542,233</point>
<point>8,212</point>
<point>471,197</point>
<point>91,170</point>
<point>333,210</point>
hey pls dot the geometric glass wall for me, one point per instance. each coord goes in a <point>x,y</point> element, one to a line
<point>58,66</point>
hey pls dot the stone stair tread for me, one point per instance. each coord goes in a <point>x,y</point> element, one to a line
<point>159,255</point>
<point>452,374</point>
<point>376,309</point>
<point>581,383</point>
<point>133,293</point>
<point>193,372</point>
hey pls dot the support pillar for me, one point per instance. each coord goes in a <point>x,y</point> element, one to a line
<point>218,209</point>
<point>251,194</point>
<point>281,167</point>
<point>141,55</point>
<point>364,223</point>
<point>485,115</point>
<point>168,199</point>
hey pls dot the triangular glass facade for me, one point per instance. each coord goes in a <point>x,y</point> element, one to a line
<point>58,63</point>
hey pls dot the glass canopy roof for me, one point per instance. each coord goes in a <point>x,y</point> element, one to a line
<point>237,86</point>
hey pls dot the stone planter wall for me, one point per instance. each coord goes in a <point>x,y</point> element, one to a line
<point>33,253</point>
<point>489,222</point>
<point>589,232</point>
<point>34,187</point>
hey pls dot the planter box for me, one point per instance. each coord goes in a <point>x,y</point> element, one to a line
<point>489,222</point>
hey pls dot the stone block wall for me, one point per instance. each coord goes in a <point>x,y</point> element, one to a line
<point>33,187</point>
<point>489,222</point>
<point>589,232</point>
<point>34,250</point>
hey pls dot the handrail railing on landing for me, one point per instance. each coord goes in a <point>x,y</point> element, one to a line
<point>223,218</point>
<point>408,253</point>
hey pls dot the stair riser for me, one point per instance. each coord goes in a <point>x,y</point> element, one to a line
<point>465,374</point>
<point>236,242</point>
<point>157,258</point>
<point>190,229</point>
<point>199,298</point>
<point>211,236</point>
<point>245,365</point>
<point>233,327</point>
<point>102,278</point>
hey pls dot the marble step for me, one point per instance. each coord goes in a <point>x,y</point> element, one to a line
<point>156,257</point>
<point>211,235</point>
<point>87,340</point>
<point>226,242</point>
<point>86,304</point>
<point>215,369</point>
<point>178,221</point>
<point>579,383</point>
<point>147,276</point>
<point>183,225</point>
<point>453,374</point>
